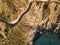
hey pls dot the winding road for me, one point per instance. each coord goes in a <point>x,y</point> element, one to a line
<point>23,13</point>
<point>19,17</point>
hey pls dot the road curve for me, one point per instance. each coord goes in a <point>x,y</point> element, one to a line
<point>23,13</point>
<point>19,17</point>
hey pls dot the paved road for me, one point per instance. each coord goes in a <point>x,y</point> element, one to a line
<point>22,14</point>
<point>19,17</point>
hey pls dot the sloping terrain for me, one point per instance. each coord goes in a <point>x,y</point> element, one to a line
<point>43,14</point>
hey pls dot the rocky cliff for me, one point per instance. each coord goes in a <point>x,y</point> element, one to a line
<point>44,14</point>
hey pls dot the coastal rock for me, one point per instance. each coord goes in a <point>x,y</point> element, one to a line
<point>44,14</point>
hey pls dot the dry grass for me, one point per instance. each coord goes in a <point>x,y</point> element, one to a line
<point>19,35</point>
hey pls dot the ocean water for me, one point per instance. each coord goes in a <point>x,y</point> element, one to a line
<point>47,39</point>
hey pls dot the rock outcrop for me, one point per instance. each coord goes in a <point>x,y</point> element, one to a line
<point>44,14</point>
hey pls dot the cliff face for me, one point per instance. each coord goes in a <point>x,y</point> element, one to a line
<point>43,14</point>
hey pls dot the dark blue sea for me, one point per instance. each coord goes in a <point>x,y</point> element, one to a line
<point>47,39</point>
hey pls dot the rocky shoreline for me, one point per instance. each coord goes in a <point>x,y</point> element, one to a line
<point>40,30</point>
<point>36,35</point>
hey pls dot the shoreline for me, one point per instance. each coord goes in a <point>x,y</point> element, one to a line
<point>40,31</point>
<point>35,36</point>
